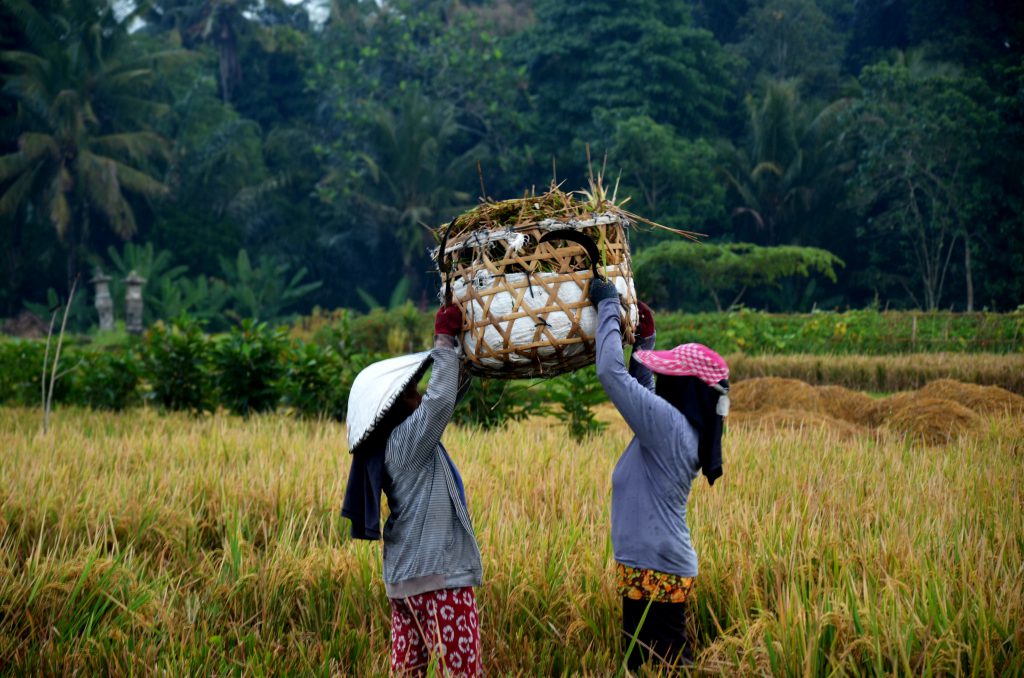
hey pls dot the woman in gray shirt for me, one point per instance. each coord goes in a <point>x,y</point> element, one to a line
<point>431,557</point>
<point>677,426</point>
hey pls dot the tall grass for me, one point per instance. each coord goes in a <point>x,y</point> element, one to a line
<point>145,543</point>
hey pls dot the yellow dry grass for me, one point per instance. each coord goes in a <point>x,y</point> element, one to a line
<point>151,544</point>
<point>885,373</point>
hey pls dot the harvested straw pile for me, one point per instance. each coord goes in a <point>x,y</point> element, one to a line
<point>936,421</point>
<point>773,393</point>
<point>797,420</point>
<point>936,414</point>
<point>887,407</point>
<point>842,403</point>
<point>525,303</point>
<point>980,399</point>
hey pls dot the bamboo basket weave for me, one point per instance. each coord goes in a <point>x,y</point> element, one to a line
<point>526,304</point>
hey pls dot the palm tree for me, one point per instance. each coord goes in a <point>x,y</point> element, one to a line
<point>412,168</point>
<point>786,164</point>
<point>220,23</point>
<point>84,146</point>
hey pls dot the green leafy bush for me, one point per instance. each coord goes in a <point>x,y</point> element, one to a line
<point>21,369</point>
<point>264,291</point>
<point>314,381</point>
<point>397,330</point>
<point>107,380</point>
<point>248,367</point>
<point>864,332</point>
<point>176,365</point>
<point>573,397</point>
<point>490,403</point>
<point>318,379</point>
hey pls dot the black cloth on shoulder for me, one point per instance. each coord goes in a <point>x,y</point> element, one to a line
<point>366,476</point>
<point>698,402</point>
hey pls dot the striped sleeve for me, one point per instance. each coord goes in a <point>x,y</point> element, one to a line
<point>414,442</point>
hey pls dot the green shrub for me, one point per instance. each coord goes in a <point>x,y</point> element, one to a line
<point>248,367</point>
<point>864,332</point>
<point>490,403</point>
<point>573,397</point>
<point>21,370</point>
<point>398,330</point>
<point>315,378</point>
<point>175,365</point>
<point>107,380</point>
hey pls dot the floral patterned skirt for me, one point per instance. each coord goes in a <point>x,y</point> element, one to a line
<point>641,584</point>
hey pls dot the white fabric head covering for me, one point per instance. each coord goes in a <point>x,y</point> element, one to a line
<point>376,388</point>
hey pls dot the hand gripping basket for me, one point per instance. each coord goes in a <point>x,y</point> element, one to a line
<point>525,298</point>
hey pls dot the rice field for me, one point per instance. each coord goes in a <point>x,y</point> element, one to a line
<point>147,543</point>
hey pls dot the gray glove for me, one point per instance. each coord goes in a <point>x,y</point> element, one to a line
<point>601,289</point>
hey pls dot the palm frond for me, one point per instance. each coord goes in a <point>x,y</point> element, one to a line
<point>766,167</point>
<point>17,194</point>
<point>36,28</point>
<point>122,78</point>
<point>101,180</point>
<point>31,94</point>
<point>169,56</point>
<point>57,200</point>
<point>139,182</point>
<point>26,61</point>
<point>142,110</point>
<point>135,146</point>
<point>32,149</point>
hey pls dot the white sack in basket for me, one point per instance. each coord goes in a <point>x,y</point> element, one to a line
<point>523,329</point>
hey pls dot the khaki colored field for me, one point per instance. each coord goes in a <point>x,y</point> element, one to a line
<point>150,543</point>
<point>886,372</point>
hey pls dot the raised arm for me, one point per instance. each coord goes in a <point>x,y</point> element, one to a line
<point>649,416</point>
<point>415,440</point>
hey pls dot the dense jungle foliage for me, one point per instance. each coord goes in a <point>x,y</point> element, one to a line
<point>254,159</point>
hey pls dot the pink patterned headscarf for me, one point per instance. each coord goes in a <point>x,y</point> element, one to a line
<point>686,360</point>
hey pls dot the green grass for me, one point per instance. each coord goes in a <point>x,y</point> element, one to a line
<point>164,544</point>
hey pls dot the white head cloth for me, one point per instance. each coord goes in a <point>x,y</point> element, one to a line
<point>376,388</point>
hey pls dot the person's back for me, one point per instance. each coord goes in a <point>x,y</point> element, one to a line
<point>676,435</point>
<point>429,542</point>
<point>431,557</point>
<point>650,491</point>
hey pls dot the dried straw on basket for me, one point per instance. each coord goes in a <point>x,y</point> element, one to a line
<point>525,303</point>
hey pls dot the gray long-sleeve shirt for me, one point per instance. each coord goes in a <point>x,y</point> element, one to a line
<point>652,479</point>
<point>429,542</point>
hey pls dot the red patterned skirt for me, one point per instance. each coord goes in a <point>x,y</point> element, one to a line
<point>442,624</point>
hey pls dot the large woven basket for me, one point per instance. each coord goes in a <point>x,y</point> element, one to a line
<point>525,303</point>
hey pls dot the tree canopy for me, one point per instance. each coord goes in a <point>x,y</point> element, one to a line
<point>274,156</point>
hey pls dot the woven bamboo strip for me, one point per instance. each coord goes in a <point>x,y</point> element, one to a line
<point>526,305</point>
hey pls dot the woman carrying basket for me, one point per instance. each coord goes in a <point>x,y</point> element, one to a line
<point>677,426</point>
<point>431,557</point>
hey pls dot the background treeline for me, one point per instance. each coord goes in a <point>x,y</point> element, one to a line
<point>255,158</point>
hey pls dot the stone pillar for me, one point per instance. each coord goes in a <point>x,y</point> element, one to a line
<point>133,302</point>
<point>104,302</point>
